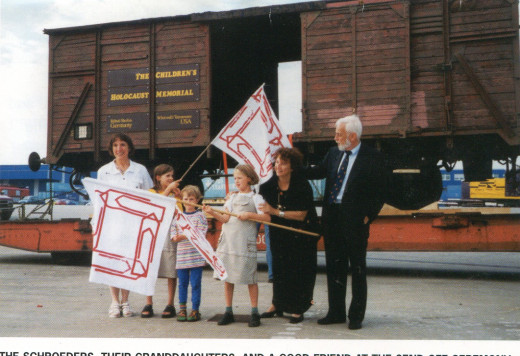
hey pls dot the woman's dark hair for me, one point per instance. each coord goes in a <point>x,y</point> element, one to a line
<point>124,138</point>
<point>292,155</point>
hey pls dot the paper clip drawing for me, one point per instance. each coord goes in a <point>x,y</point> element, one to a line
<point>126,248</point>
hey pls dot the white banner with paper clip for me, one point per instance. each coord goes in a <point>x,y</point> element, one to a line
<point>129,230</point>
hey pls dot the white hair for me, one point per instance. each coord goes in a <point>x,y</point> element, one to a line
<point>352,124</point>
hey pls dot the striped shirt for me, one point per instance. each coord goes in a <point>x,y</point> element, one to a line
<point>187,254</point>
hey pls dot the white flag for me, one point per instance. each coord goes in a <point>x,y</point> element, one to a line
<point>200,243</point>
<point>253,135</point>
<point>130,227</point>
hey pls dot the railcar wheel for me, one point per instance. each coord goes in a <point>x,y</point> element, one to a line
<point>415,189</point>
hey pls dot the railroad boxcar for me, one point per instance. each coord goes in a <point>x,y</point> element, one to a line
<point>432,80</point>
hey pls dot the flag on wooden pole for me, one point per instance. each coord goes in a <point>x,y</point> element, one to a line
<point>253,135</point>
<point>200,242</point>
<point>130,227</point>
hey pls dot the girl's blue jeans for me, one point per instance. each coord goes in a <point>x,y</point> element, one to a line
<point>191,276</point>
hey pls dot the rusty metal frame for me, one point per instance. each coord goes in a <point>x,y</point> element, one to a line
<point>306,23</point>
<point>50,107</point>
<point>408,48</point>
<point>97,99</point>
<point>353,24</point>
<point>448,82</point>
<point>516,65</point>
<point>151,107</point>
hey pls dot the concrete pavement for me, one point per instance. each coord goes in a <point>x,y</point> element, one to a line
<point>412,296</point>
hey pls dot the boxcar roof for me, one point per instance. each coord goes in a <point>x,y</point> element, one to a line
<point>203,16</point>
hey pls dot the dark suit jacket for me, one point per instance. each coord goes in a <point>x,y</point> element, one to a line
<point>364,194</point>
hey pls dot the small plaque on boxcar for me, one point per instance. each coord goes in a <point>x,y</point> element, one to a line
<point>128,122</point>
<point>177,120</point>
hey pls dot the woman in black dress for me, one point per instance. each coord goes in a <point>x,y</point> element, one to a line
<point>289,201</point>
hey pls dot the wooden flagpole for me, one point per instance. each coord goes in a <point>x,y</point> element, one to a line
<point>224,159</point>
<point>259,221</point>
<point>191,166</point>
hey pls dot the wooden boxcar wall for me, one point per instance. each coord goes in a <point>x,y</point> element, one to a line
<point>412,68</point>
<point>463,59</point>
<point>356,61</point>
<point>71,67</point>
<point>484,48</point>
<point>408,68</point>
<point>80,63</point>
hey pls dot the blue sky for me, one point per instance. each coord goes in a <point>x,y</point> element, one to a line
<point>24,55</point>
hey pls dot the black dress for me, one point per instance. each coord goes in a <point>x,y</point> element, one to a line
<point>294,254</point>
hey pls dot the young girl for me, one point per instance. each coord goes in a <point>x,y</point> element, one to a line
<point>237,244</point>
<point>165,185</point>
<point>189,261</point>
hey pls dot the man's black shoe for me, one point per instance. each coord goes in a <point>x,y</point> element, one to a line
<point>331,320</point>
<point>255,320</point>
<point>354,325</point>
<point>296,319</point>
<point>228,318</point>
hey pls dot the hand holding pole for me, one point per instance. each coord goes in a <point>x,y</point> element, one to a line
<point>259,221</point>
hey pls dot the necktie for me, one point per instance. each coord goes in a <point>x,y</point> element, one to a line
<point>340,176</point>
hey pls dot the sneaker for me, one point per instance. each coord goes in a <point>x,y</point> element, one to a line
<point>255,320</point>
<point>126,310</point>
<point>181,315</point>
<point>194,316</point>
<point>228,318</point>
<point>114,311</point>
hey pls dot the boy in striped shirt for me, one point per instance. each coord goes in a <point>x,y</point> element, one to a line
<point>190,262</point>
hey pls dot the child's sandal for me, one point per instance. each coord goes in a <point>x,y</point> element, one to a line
<point>147,311</point>
<point>168,312</point>
<point>194,316</point>
<point>181,316</point>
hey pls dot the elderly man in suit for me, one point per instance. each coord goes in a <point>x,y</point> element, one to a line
<point>355,187</point>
